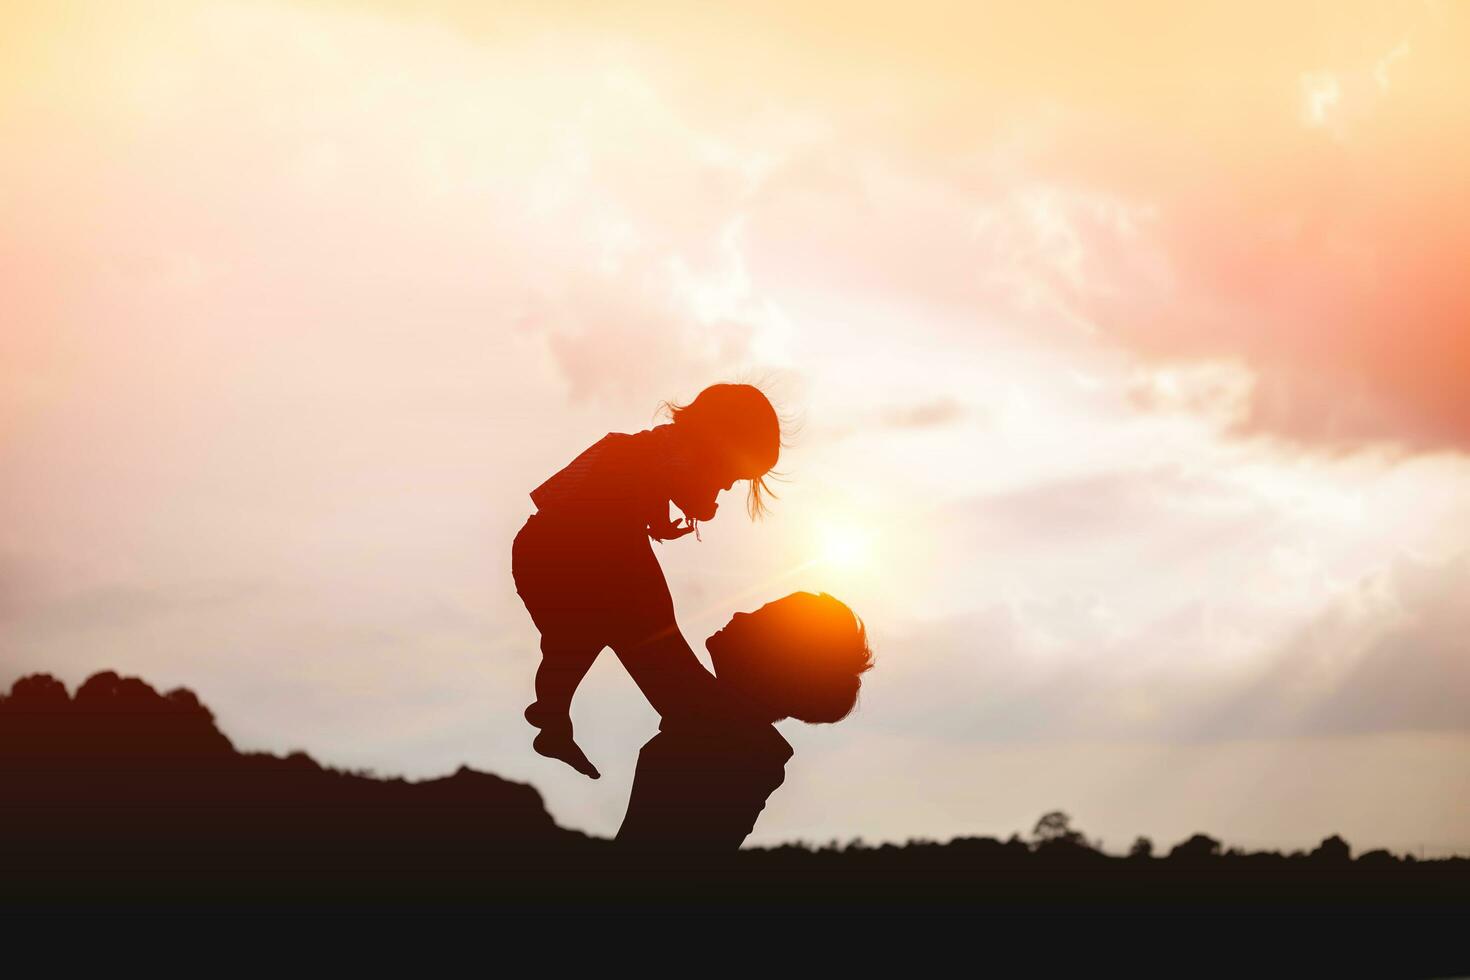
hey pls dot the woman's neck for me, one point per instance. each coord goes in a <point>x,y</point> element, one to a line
<point>748,706</point>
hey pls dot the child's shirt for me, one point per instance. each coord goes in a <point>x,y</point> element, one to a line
<point>619,481</point>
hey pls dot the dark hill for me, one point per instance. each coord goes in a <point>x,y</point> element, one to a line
<point>120,777</point>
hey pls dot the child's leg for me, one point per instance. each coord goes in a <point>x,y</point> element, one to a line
<point>563,665</point>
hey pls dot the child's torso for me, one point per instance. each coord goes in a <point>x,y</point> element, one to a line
<point>618,480</point>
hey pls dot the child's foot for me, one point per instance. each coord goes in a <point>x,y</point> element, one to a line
<point>560,745</point>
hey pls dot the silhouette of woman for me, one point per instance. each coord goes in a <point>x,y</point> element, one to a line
<point>702,781</point>
<point>587,574</point>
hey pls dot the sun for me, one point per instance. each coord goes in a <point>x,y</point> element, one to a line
<point>846,546</point>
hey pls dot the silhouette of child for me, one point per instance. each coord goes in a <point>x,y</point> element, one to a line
<point>704,779</point>
<point>585,569</point>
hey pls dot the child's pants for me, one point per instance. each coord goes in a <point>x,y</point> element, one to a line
<point>585,589</point>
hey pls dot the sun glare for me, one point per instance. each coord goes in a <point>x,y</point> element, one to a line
<point>845,546</point>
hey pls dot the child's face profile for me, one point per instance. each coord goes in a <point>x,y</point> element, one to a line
<point>697,486</point>
<point>696,503</point>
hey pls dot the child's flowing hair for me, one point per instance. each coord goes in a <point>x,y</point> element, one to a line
<point>740,418</point>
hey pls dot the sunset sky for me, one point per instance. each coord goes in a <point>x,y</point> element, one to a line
<point>1126,345</point>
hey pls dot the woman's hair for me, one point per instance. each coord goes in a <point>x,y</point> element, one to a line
<point>740,418</point>
<point>812,651</point>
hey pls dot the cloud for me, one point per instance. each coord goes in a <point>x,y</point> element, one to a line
<point>1416,676</point>
<point>924,415</point>
<point>1327,260</point>
<point>615,343</point>
<point>1338,285</point>
<point>1388,656</point>
<point>1392,655</point>
<point>124,606</point>
<point>1159,179</point>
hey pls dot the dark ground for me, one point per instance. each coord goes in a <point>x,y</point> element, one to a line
<point>119,798</point>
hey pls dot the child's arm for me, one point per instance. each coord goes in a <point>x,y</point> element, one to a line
<point>662,528</point>
<point>670,530</point>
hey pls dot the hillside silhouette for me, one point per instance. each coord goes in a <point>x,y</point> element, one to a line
<point>121,778</point>
<point>120,794</point>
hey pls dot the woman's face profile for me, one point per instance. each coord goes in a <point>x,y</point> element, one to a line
<point>728,645</point>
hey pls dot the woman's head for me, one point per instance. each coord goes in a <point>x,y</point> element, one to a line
<point>735,435</point>
<point>798,657</point>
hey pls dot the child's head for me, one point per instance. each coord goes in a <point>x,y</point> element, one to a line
<point>799,657</point>
<point>735,435</point>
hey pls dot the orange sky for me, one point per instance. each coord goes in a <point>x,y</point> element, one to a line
<point>1133,342</point>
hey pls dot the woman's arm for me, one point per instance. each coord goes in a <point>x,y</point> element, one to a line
<point>668,673</point>
<point>646,638</point>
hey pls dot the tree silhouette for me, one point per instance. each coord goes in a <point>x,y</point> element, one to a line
<point>1054,829</point>
<point>1333,850</point>
<point>1197,847</point>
